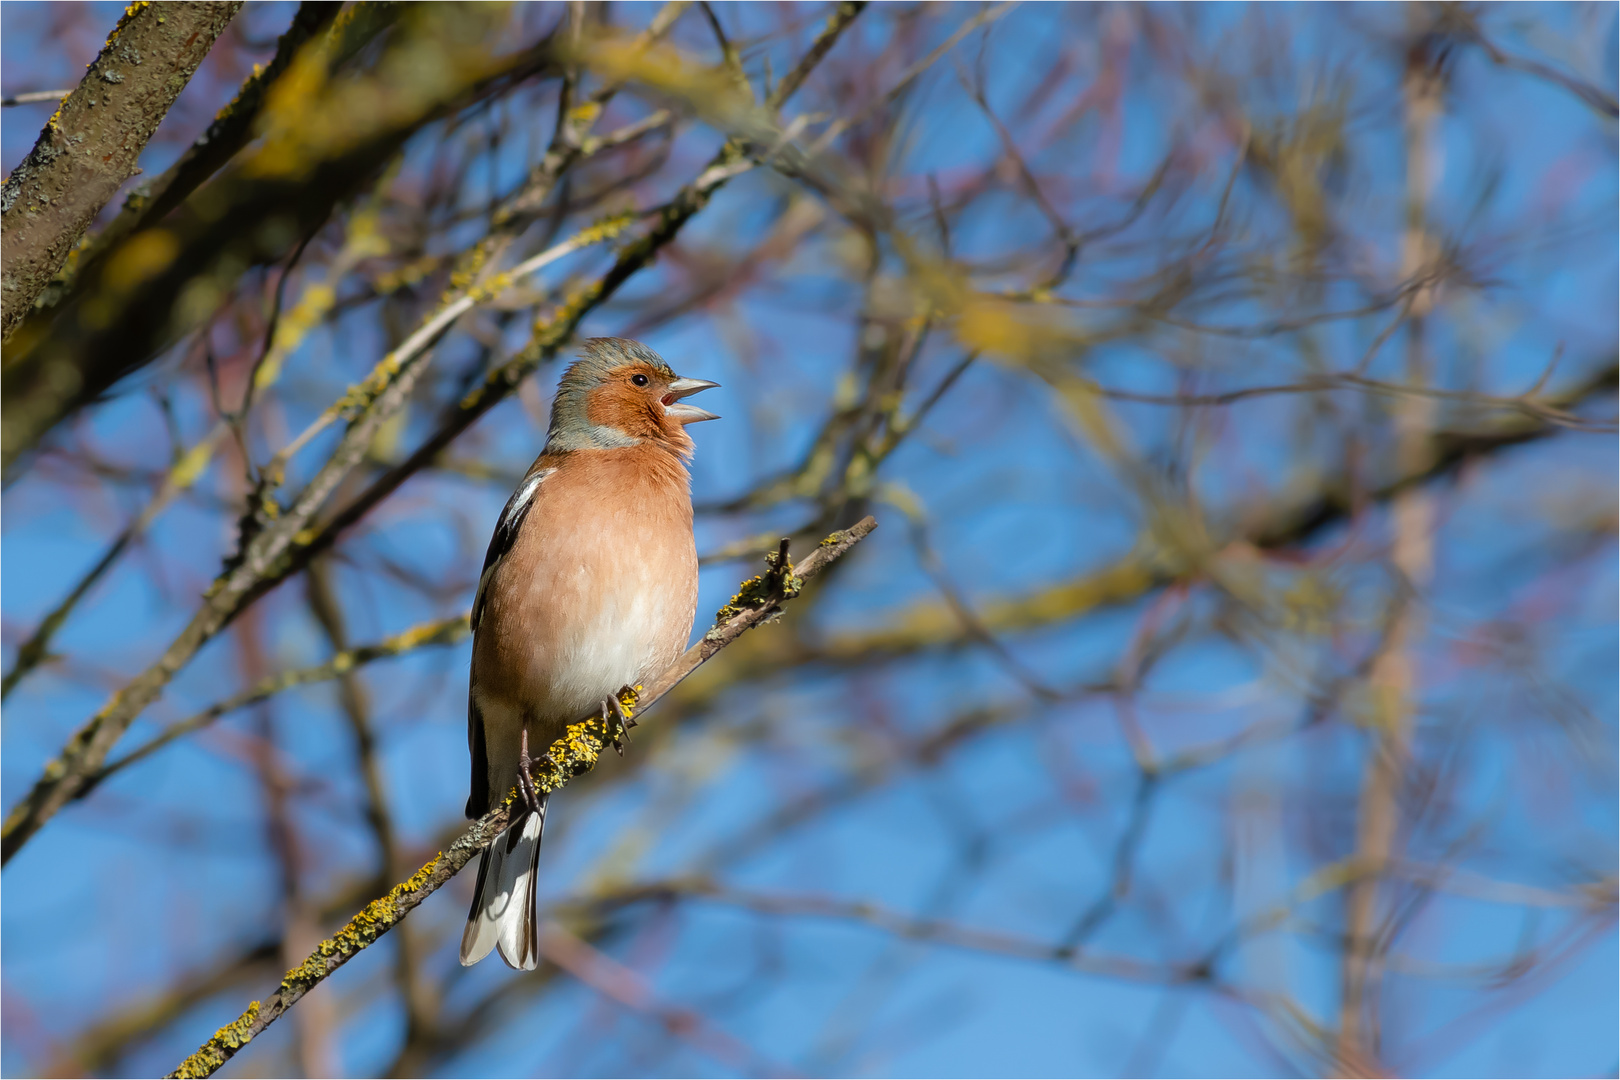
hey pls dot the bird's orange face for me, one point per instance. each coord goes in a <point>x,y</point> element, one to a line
<point>644,402</point>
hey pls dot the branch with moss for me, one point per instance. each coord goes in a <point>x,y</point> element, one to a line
<point>579,749</point>
<point>90,146</point>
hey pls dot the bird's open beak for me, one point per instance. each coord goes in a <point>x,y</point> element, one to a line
<point>687,414</point>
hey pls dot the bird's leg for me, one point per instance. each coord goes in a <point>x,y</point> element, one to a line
<point>613,710</point>
<point>525,785</point>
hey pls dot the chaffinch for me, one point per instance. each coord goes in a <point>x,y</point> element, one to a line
<point>590,585</point>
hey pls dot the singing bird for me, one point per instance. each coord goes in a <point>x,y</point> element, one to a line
<point>590,585</point>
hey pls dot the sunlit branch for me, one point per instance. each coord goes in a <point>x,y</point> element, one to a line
<point>228,133</point>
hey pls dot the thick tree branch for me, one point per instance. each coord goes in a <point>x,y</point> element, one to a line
<point>230,131</point>
<point>90,147</point>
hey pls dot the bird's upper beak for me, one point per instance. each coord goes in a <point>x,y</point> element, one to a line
<point>687,414</point>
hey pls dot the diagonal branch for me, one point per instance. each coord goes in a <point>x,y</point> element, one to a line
<point>89,147</point>
<point>576,753</point>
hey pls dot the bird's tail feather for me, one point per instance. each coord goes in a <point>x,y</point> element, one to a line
<point>502,914</point>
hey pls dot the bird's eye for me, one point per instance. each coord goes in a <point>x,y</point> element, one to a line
<point>639,380</point>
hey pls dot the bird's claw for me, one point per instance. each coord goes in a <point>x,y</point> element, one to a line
<point>619,710</point>
<point>613,710</point>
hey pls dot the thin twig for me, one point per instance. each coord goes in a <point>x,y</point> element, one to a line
<point>32,96</point>
<point>1523,403</point>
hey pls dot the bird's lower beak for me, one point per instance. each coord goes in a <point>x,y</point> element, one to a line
<point>687,414</point>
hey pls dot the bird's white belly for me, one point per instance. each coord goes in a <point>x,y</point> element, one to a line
<point>601,646</point>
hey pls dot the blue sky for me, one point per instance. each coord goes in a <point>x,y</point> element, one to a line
<point>1014,831</point>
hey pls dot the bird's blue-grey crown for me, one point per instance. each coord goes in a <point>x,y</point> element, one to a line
<point>571,428</point>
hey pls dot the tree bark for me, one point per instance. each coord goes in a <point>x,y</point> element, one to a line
<point>90,147</point>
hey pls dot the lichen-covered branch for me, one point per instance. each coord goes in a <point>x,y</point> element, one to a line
<point>572,755</point>
<point>89,148</point>
<point>230,131</point>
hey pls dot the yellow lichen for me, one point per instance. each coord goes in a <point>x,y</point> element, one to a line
<point>375,920</point>
<point>451,629</point>
<point>210,1056</point>
<point>192,464</point>
<point>466,270</point>
<point>584,114</point>
<point>391,281</point>
<point>140,259</point>
<point>751,592</point>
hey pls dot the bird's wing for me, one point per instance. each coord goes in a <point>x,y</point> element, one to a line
<point>506,534</point>
<point>478,750</point>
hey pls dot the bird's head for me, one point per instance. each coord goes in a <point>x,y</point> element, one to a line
<point>621,393</point>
